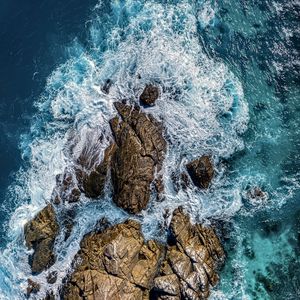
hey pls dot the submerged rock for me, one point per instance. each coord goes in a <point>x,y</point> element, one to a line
<point>40,234</point>
<point>138,157</point>
<point>114,264</point>
<point>118,264</point>
<point>107,85</point>
<point>66,189</point>
<point>94,182</point>
<point>201,171</point>
<point>149,95</point>
<point>87,176</point>
<point>32,288</point>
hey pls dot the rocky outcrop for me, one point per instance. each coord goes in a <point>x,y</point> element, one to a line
<point>40,234</point>
<point>192,257</point>
<point>114,264</point>
<point>149,95</point>
<point>138,157</point>
<point>201,171</point>
<point>118,264</point>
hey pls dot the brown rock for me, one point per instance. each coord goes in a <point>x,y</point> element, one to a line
<point>117,263</point>
<point>168,284</point>
<point>33,287</point>
<point>87,174</point>
<point>114,264</point>
<point>193,255</point>
<point>139,154</point>
<point>201,171</point>
<point>40,234</point>
<point>149,95</point>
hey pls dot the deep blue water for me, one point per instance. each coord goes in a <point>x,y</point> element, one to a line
<point>231,75</point>
<point>34,36</point>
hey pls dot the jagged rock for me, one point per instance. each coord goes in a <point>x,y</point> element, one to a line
<point>86,175</point>
<point>139,154</point>
<point>66,189</point>
<point>33,287</point>
<point>40,234</point>
<point>114,264</point>
<point>149,95</point>
<point>117,263</point>
<point>193,254</point>
<point>201,171</point>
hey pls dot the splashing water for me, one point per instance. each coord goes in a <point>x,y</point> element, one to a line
<point>202,107</point>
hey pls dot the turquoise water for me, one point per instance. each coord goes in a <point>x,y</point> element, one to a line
<point>230,88</point>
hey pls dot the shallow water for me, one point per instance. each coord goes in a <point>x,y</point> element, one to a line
<point>229,87</point>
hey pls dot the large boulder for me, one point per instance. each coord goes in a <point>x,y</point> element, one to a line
<point>138,157</point>
<point>201,171</point>
<point>192,257</point>
<point>40,234</point>
<point>114,264</point>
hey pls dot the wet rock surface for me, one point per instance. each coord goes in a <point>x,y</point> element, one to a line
<point>118,264</point>
<point>149,95</point>
<point>93,183</point>
<point>114,264</point>
<point>193,255</point>
<point>40,234</point>
<point>201,171</point>
<point>139,155</point>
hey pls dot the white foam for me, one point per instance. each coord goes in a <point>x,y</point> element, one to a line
<point>201,106</point>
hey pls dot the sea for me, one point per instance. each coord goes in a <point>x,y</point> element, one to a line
<point>228,72</point>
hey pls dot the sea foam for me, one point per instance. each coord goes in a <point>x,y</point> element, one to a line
<point>201,106</point>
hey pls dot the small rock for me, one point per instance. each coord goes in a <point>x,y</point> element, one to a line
<point>149,95</point>
<point>257,193</point>
<point>52,277</point>
<point>106,87</point>
<point>33,287</point>
<point>201,171</point>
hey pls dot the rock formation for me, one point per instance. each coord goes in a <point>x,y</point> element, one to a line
<point>149,95</point>
<point>139,155</point>
<point>114,264</point>
<point>192,256</point>
<point>118,264</point>
<point>40,234</point>
<point>201,171</point>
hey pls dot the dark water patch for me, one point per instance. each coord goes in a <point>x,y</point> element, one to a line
<point>34,36</point>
